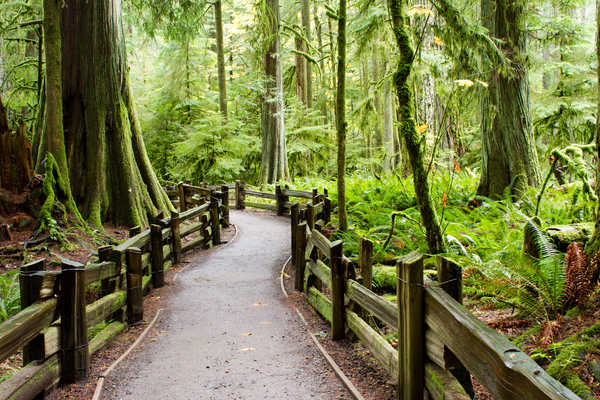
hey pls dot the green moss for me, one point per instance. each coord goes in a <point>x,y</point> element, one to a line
<point>524,338</point>
<point>573,312</point>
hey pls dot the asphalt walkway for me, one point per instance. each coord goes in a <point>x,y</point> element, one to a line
<point>227,331</point>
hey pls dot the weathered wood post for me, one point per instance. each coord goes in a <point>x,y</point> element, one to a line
<point>326,210</point>
<point>225,204</point>
<point>135,295</point>
<point>206,237</point>
<point>157,255</point>
<point>214,221</point>
<point>239,195</point>
<point>338,285</point>
<point>279,200</point>
<point>315,195</point>
<point>176,237</point>
<point>74,356</point>
<point>295,217</point>
<point>30,284</point>
<point>365,262</point>
<point>450,278</point>
<point>300,249</point>
<point>136,230</point>
<point>310,216</point>
<point>107,286</point>
<point>411,329</point>
<point>181,195</point>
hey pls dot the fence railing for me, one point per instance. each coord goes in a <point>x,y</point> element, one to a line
<point>52,327</point>
<point>439,340</point>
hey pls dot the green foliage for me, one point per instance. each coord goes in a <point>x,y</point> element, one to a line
<point>10,298</point>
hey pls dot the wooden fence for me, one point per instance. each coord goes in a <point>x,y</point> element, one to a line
<point>52,328</point>
<point>440,342</point>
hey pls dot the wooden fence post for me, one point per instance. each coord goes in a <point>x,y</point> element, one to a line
<point>365,262</point>
<point>279,200</point>
<point>214,221</point>
<point>295,216</point>
<point>225,204</point>
<point>338,285</point>
<point>326,210</point>
<point>411,329</point>
<point>158,258</point>
<point>135,295</point>
<point>30,286</point>
<point>74,356</point>
<point>450,278</point>
<point>181,194</point>
<point>300,249</point>
<point>310,216</point>
<point>315,195</point>
<point>107,286</point>
<point>136,230</point>
<point>239,195</point>
<point>176,237</point>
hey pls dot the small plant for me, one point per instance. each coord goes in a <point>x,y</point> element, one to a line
<point>10,297</point>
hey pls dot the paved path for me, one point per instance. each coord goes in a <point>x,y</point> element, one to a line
<point>227,332</point>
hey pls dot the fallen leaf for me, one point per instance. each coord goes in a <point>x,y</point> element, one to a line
<point>456,166</point>
<point>248,349</point>
<point>247,334</point>
<point>259,304</point>
<point>444,199</point>
<point>421,128</point>
<point>438,41</point>
<point>464,82</point>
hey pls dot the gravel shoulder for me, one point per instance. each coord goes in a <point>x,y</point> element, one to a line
<point>227,332</point>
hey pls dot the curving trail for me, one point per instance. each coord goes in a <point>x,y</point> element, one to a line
<point>227,332</point>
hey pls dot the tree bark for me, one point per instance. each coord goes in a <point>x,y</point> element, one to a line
<point>388,126</point>
<point>221,59</point>
<point>408,130</point>
<point>593,245</point>
<point>274,154</point>
<point>340,117</point>
<point>509,155</point>
<point>110,174</point>
<point>307,63</point>
<point>300,69</point>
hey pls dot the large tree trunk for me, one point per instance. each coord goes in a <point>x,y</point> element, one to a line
<point>274,154</point>
<point>300,69</point>
<point>340,117</point>
<point>593,246</point>
<point>221,59</point>
<point>509,156</point>
<point>110,174</point>
<point>388,126</point>
<point>308,36</point>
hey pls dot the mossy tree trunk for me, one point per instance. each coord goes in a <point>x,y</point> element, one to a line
<point>308,37</point>
<point>340,117</point>
<point>593,246</point>
<point>509,156</point>
<point>221,59</point>
<point>110,175</point>
<point>274,154</point>
<point>408,132</point>
<point>53,140</point>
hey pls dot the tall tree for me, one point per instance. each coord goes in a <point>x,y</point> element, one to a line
<point>221,59</point>
<point>340,117</point>
<point>105,159</point>
<point>274,153</point>
<point>308,38</point>
<point>593,246</point>
<point>509,156</point>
